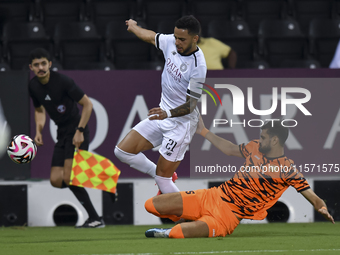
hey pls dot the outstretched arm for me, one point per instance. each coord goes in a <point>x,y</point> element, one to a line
<point>220,143</point>
<point>142,33</point>
<point>318,203</point>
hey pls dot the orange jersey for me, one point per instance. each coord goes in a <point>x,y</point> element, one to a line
<point>260,182</point>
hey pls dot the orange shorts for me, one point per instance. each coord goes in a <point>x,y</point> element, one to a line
<point>206,205</point>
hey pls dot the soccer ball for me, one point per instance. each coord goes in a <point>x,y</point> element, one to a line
<point>22,149</point>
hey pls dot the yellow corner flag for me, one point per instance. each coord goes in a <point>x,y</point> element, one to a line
<point>94,171</point>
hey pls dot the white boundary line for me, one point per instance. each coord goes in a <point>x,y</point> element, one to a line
<point>223,252</point>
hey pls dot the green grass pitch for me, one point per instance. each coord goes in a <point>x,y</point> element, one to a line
<point>252,239</point>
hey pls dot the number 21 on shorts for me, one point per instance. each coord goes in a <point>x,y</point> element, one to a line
<point>171,145</point>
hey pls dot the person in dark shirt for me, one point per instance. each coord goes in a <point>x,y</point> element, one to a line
<point>58,95</point>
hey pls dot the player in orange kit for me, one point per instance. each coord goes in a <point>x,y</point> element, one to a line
<point>256,187</point>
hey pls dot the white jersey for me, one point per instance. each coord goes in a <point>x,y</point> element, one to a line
<point>4,132</point>
<point>182,75</point>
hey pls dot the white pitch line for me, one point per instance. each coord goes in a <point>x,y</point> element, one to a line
<point>220,252</point>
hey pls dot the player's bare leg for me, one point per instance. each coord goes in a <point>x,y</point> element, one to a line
<point>134,143</point>
<point>130,149</point>
<point>60,175</point>
<point>164,175</point>
<point>171,210</point>
<point>56,176</point>
<point>81,194</point>
<point>167,205</point>
<point>67,170</point>
<point>194,229</point>
<point>166,168</point>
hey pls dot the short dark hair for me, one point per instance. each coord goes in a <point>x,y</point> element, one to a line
<point>275,128</point>
<point>190,23</point>
<point>39,53</point>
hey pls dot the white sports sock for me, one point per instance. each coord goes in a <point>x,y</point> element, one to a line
<point>137,161</point>
<point>167,232</point>
<point>166,185</point>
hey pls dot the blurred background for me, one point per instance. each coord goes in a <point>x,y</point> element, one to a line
<point>91,34</point>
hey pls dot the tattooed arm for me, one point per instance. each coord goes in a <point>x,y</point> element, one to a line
<point>184,109</point>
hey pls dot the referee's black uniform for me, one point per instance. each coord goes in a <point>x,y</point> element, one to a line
<point>59,97</point>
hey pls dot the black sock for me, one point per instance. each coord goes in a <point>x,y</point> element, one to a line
<point>63,185</point>
<point>83,197</point>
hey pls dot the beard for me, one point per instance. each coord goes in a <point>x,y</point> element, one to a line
<point>185,51</point>
<point>264,150</point>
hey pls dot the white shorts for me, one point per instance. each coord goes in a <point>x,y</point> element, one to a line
<point>173,134</point>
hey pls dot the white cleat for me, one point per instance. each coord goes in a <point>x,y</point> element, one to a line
<point>157,232</point>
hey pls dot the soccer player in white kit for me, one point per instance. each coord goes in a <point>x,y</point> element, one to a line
<point>174,122</point>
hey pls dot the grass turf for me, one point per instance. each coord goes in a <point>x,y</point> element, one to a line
<point>252,239</point>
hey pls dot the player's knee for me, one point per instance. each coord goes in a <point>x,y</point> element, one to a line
<point>123,156</point>
<point>55,182</point>
<point>149,206</point>
<point>118,153</point>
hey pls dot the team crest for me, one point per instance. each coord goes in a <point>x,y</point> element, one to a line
<point>183,67</point>
<point>61,108</point>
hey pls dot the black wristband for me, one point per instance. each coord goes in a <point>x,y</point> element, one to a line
<point>81,129</point>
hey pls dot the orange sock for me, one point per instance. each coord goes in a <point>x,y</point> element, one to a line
<point>176,232</point>
<point>151,209</point>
